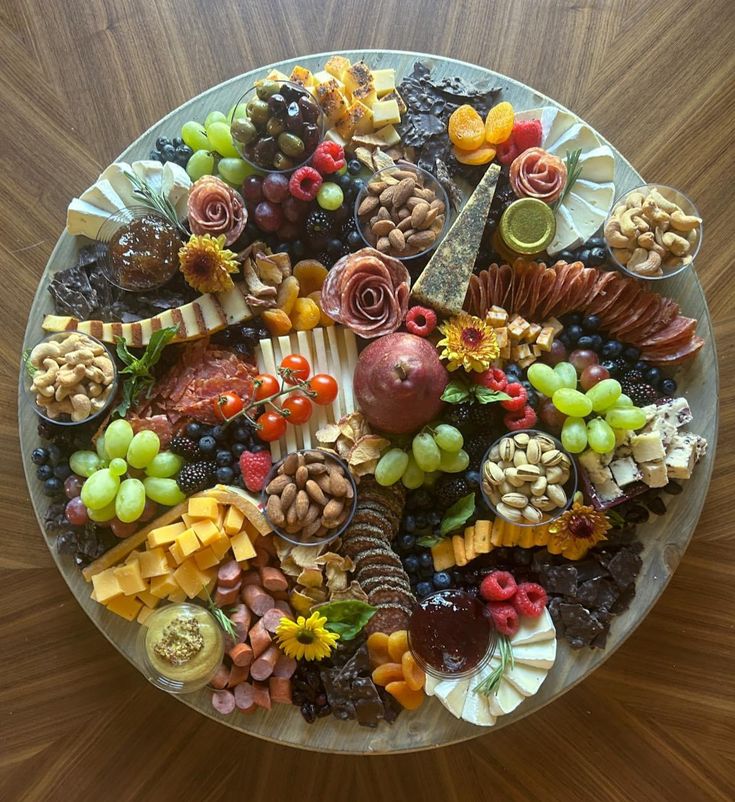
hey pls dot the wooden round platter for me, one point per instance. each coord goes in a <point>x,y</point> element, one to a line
<point>665,538</point>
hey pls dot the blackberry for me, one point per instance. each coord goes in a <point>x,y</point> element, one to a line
<point>196,476</point>
<point>640,394</point>
<point>459,415</point>
<point>185,447</point>
<point>476,446</point>
<point>483,416</point>
<point>347,228</point>
<point>317,224</point>
<point>419,499</point>
<point>615,367</point>
<point>450,489</point>
<point>326,259</point>
<point>633,377</point>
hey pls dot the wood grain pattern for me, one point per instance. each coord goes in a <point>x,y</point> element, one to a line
<point>86,79</point>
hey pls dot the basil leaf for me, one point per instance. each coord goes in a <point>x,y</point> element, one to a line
<point>159,340</point>
<point>457,514</point>
<point>429,540</point>
<point>122,351</point>
<point>347,617</point>
<point>455,392</point>
<point>484,395</point>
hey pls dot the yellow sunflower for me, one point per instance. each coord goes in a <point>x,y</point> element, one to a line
<point>468,343</point>
<point>306,638</point>
<point>206,265</point>
<point>576,530</point>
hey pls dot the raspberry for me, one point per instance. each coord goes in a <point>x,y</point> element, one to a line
<point>305,183</point>
<point>506,151</point>
<point>523,419</point>
<point>530,599</point>
<point>255,467</point>
<point>504,617</point>
<point>328,158</point>
<point>526,134</point>
<point>493,379</point>
<point>498,586</point>
<point>518,397</point>
<point>421,321</point>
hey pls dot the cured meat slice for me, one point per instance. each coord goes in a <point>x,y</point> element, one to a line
<point>679,330</point>
<point>676,355</point>
<point>638,318</point>
<point>217,209</point>
<point>538,174</point>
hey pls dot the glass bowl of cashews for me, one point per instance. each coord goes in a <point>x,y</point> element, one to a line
<point>653,232</point>
<point>70,378</point>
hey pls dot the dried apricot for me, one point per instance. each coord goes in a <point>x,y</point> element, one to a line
<point>466,129</point>
<point>377,644</point>
<point>499,123</point>
<point>311,275</point>
<point>305,314</point>
<point>413,674</point>
<point>404,695</point>
<point>398,644</point>
<point>288,292</point>
<point>324,319</point>
<point>276,321</point>
<point>481,155</point>
<point>387,672</point>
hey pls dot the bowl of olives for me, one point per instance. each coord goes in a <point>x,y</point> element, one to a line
<point>276,126</point>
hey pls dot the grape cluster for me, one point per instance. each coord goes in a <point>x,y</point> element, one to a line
<point>212,149</point>
<point>171,150</point>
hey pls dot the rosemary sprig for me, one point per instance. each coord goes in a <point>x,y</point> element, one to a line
<point>30,369</point>
<point>155,200</point>
<point>491,682</point>
<point>573,173</point>
<point>221,618</point>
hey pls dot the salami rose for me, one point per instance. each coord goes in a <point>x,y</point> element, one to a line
<point>368,292</point>
<point>538,174</point>
<point>214,208</point>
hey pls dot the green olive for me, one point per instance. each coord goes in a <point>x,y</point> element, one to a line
<point>266,89</point>
<point>243,130</point>
<point>281,162</point>
<point>291,145</point>
<point>275,126</point>
<point>258,111</point>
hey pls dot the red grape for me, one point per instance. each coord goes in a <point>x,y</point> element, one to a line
<point>583,358</point>
<point>149,511</point>
<point>550,415</point>
<point>121,530</point>
<point>73,486</point>
<point>593,374</point>
<point>268,216</point>
<point>294,210</point>
<point>557,353</point>
<point>252,189</point>
<point>275,187</point>
<point>76,512</point>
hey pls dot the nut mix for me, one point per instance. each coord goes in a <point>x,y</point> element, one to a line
<point>399,215</point>
<point>72,376</point>
<point>524,477</point>
<point>650,234</point>
<point>309,496</point>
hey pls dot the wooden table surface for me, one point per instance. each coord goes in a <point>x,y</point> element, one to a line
<point>79,80</point>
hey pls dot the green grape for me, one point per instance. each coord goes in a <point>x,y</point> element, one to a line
<point>330,196</point>
<point>221,138</point>
<point>426,452</point>
<point>118,466</point>
<point>431,477</point>
<point>571,402</point>
<point>100,489</point>
<point>143,448</point>
<point>391,466</point>
<point>200,163</point>
<point>195,136</point>
<point>624,401</point>
<point>454,463</point>
<point>164,464</point>
<point>567,375</point>
<point>101,448</point>
<point>84,463</point>
<point>574,435</point>
<point>544,379</point>
<point>130,500</point>
<point>626,418</point>
<point>163,491</point>
<point>214,117</point>
<point>601,437</point>
<point>234,171</point>
<point>413,476</point>
<point>448,438</point>
<point>604,394</point>
<point>117,438</point>
<point>240,110</point>
<point>106,513</point>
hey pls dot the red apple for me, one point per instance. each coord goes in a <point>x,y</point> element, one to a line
<point>398,383</point>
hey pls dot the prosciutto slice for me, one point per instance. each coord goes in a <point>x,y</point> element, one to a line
<point>216,209</point>
<point>538,174</point>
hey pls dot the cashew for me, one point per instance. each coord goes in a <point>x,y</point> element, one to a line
<point>44,351</point>
<point>691,237</point>
<point>659,235</point>
<point>56,409</point>
<point>71,376</point>
<point>615,238</point>
<point>676,244</point>
<point>104,363</point>
<point>650,267</point>
<point>95,375</point>
<point>47,378</point>
<point>82,356</point>
<point>640,223</point>
<point>622,255</point>
<point>94,389</point>
<point>81,406</point>
<point>638,257</point>
<point>635,199</point>
<point>646,240</point>
<point>651,211</point>
<point>663,203</point>
<point>96,404</point>
<point>684,222</point>
<point>627,226</point>
<point>71,343</point>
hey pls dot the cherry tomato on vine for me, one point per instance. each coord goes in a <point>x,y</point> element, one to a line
<point>325,387</point>
<point>299,408</point>
<point>271,426</point>
<point>298,366</point>
<point>265,386</point>
<point>227,405</point>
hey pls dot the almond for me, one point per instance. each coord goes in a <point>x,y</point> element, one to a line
<point>302,474</point>
<point>383,227</point>
<point>313,489</point>
<point>431,215</point>
<point>403,191</point>
<point>376,187</point>
<point>311,528</point>
<point>277,485</point>
<point>405,224</point>
<point>316,468</point>
<point>421,239</point>
<point>338,484</point>
<point>418,215</point>
<point>275,511</point>
<point>369,204</point>
<point>290,464</point>
<point>302,504</point>
<point>383,245</point>
<point>333,509</point>
<point>288,495</point>
<point>386,196</point>
<point>383,214</point>
<point>397,240</point>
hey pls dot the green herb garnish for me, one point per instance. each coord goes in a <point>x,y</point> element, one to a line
<point>457,515</point>
<point>573,173</point>
<point>30,369</point>
<point>221,618</point>
<point>137,371</point>
<point>155,200</point>
<point>347,618</point>
<point>458,390</point>
<point>491,682</point>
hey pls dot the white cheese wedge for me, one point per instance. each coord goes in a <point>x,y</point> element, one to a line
<point>577,136</point>
<point>452,694</point>
<point>430,684</point>
<point>175,184</point>
<point>587,219</point>
<point>84,219</point>
<point>102,194</point>
<point>567,237</point>
<point>267,364</point>
<point>533,630</point>
<point>525,679</point>
<point>598,195</point>
<point>505,699</point>
<point>476,709</point>
<point>598,165</point>
<point>116,175</point>
<point>540,654</point>
<point>151,172</point>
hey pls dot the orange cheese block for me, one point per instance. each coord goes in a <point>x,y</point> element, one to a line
<point>233,521</point>
<point>242,546</point>
<point>106,586</point>
<point>129,578</point>
<point>164,586</point>
<point>188,542</point>
<point>206,530</point>
<point>127,607</point>
<point>165,534</point>
<point>203,507</point>
<point>152,563</point>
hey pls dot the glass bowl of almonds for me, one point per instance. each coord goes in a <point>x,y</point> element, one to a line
<point>309,497</point>
<point>403,211</point>
<point>528,478</point>
<point>653,232</point>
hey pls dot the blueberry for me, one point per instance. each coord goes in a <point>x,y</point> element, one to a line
<point>353,167</point>
<point>585,341</point>
<point>409,523</point>
<point>631,353</point>
<point>426,571</point>
<point>53,486</point>
<point>473,478</point>
<point>219,433</point>
<point>596,342</point>
<point>354,239</point>
<point>62,471</point>
<point>514,370</point>
<point>162,141</point>
<point>223,459</point>
<point>334,247</point>
<point>641,366</point>
<point>177,141</point>
<point>653,376</point>
<point>424,589</point>
<point>612,367</point>
<point>344,181</point>
<point>668,387</point>
<point>573,317</point>
<point>442,580</point>
<point>406,543</point>
<point>54,455</point>
<point>359,185</point>
<point>597,257</point>
<point>566,256</point>
<point>422,522</point>
<point>241,433</point>
<point>584,255</point>
<point>238,449</point>
<point>564,339</point>
<point>411,564</point>
<point>193,430</point>
<point>298,249</point>
<point>225,475</point>
<point>155,156</point>
<point>591,323</point>
<point>207,444</point>
<point>426,560</point>
<point>596,242</point>
<point>39,456</point>
<point>611,349</point>
<point>168,152</point>
<point>532,394</point>
<point>574,332</point>
<point>44,472</point>
<point>183,153</point>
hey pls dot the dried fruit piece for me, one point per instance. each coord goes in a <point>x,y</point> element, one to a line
<point>311,275</point>
<point>305,314</point>
<point>481,155</point>
<point>277,321</point>
<point>398,644</point>
<point>412,673</point>
<point>386,673</point>
<point>288,292</point>
<point>403,694</point>
<point>499,123</point>
<point>377,644</point>
<point>324,319</point>
<point>465,128</point>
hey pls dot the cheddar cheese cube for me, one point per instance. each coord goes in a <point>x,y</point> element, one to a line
<point>242,546</point>
<point>163,586</point>
<point>402,107</point>
<point>482,536</point>
<point>190,578</point>
<point>459,553</point>
<point>143,616</point>
<point>443,554</point>
<point>187,519</point>
<point>129,578</point>
<point>324,77</point>
<point>165,534</point>
<point>148,598</point>
<point>276,75</point>
<point>203,507</point>
<point>178,555</point>
<point>177,597</point>
<point>220,546</point>
<point>206,558</point>
<point>469,543</point>
<point>233,521</point>
<point>127,607</point>
<point>153,563</point>
<point>361,117</point>
<point>387,135</point>
<point>358,81</point>
<point>206,531</point>
<point>188,542</point>
<point>302,76</point>
<point>106,586</point>
<point>332,135</point>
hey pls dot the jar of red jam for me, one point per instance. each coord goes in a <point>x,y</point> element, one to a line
<point>450,634</point>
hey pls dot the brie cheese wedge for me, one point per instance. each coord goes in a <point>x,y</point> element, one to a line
<point>151,172</point>
<point>175,184</point>
<point>102,194</point>
<point>84,219</point>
